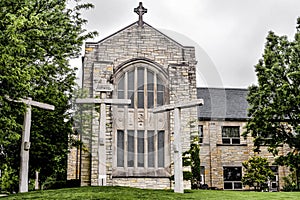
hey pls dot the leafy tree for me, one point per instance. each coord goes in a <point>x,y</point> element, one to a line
<point>257,172</point>
<point>8,179</point>
<point>37,39</point>
<point>274,103</point>
<point>81,117</point>
<point>289,183</point>
<point>191,158</point>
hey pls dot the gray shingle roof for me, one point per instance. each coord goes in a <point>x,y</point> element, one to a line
<point>223,103</point>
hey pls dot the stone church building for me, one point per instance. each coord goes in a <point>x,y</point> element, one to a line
<point>134,147</point>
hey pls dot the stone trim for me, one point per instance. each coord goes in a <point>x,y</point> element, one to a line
<point>232,145</point>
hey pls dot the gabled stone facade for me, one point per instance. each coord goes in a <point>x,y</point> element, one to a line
<point>107,61</point>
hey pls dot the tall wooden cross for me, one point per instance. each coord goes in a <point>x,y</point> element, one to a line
<point>140,10</point>
<point>103,88</point>
<point>25,144</point>
<point>178,174</point>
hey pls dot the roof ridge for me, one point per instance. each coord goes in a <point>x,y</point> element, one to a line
<point>220,88</point>
<point>126,27</point>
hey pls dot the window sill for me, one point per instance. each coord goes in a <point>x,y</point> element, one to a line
<point>231,144</point>
<point>204,144</point>
<point>140,172</point>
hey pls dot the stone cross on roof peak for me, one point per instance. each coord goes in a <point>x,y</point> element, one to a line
<point>140,10</point>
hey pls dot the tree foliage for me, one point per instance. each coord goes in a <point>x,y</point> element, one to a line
<point>37,40</point>
<point>191,158</point>
<point>275,102</point>
<point>257,172</point>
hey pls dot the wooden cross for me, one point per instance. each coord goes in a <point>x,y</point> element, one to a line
<point>140,10</point>
<point>101,135</point>
<point>25,144</point>
<point>178,174</point>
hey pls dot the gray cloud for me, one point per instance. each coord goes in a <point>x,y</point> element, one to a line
<point>231,32</point>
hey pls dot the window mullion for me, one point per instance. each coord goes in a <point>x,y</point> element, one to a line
<point>146,118</point>
<point>135,88</point>
<point>125,149</point>
<point>155,90</point>
<point>135,106</point>
<point>156,149</point>
<point>146,149</point>
<point>125,121</point>
<point>126,85</point>
<point>145,91</point>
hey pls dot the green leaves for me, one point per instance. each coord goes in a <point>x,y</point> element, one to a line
<point>191,158</point>
<point>276,98</point>
<point>37,40</point>
<point>257,172</point>
<point>275,102</point>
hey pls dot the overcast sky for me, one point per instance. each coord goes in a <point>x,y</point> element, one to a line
<point>229,35</point>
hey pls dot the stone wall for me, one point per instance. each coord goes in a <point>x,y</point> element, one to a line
<point>102,61</point>
<point>214,155</point>
<point>149,183</point>
<point>73,164</point>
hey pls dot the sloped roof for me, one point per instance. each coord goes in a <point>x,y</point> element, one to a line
<point>145,24</point>
<point>223,104</point>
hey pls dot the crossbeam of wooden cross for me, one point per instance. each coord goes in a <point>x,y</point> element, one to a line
<point>102,130</point>
<point>25,143</point>
<point>178,173</point>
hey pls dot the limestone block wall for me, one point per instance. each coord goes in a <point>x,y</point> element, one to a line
<point>85,173</point>
<point>143,183</point>
<point>214,155</point>
<point>73,161</point>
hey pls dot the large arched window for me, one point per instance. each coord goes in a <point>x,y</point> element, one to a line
<point>141,137</point>
<point>143,87</point>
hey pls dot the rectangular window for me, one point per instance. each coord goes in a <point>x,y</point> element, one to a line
<point>150,89</point>
<point>121,89</point>
<point>151,149</point>
<point>120,148</point>
<point>140,99</point>
<point>160,98</point>
<point>232,178</point>
<point>202,175</point>
<point>230,134</point>
<point>160,93</point>
<point>130,89</point>
<point>130,149</point>
<point>200,130</point>
<point>274,181</point>
<point>135,146</point>
<point>140,77</point>
<point>150,80</point>
<point>150,99</point>
<point>140,148</point>
<point>161,147</point>
<point>131,97</point>
<point>121,94</point>
<point>130,79</point>
<point>264,139</point>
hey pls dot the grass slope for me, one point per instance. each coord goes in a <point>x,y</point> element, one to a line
<point>105,193</point>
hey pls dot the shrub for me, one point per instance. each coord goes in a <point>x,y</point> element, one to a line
<point>8,180</point>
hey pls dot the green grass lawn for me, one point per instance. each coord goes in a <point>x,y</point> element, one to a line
<point>133,193</point>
